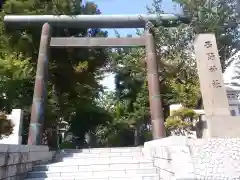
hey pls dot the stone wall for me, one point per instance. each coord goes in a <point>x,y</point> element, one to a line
<point>172,157</point>
<point>16,160</point>
<point>217,158</point>
<point>180,158</point>
<point>163,161</point>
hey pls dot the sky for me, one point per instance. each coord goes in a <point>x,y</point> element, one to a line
<point>125,7</point>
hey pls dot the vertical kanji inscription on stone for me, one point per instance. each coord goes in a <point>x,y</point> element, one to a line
<point>210,75</point>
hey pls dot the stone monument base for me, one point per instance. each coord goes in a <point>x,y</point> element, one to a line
<point>181,158</point>
<point>223,126</point>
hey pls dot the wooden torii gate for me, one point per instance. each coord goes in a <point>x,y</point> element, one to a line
<point>93,21</point>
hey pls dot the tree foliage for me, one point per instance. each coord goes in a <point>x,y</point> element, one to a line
<point>178,77</point>
<point>73,74</point>
<point>218,17</point>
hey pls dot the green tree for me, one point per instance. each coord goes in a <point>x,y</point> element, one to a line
<point>218,17</point>
<point>175,46</point>
<point>131,88</point>
<point>15,77</point>
<point>73,73</point>
<point>177,67</point>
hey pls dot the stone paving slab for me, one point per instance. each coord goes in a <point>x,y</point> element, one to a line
<point>65,167</point>
<point>96,172</point>
<point>101,162</point>
<point>105,177</point>
<point>104,150</point>
<point>91,167</point>
<point>102,154</point>
<point>103,159</point>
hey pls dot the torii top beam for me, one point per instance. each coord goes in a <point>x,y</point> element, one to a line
<point>91,21</point>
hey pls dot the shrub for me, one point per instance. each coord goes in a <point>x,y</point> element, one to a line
<point>6,126</point>
<point>181,122</point>
<point>67,145</point>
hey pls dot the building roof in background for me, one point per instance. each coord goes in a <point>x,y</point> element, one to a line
<point>231,76</point>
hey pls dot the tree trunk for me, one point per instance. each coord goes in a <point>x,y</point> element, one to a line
<point>136,136</point>
<point>199,104</point>
<point>52,139</point>
<point>166,110</point>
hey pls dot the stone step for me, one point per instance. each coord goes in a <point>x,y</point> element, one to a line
<point>103,150</point>
<point>84,173</point>
<point>63,166</point>
<point>103,154</point>
<point>105,177</point>
<point>102,159</point>
<point>86,162</point>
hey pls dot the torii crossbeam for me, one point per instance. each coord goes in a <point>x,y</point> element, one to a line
<point>93,21</point>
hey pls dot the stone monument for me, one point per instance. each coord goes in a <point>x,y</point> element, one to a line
<point>220,123</point>
<point>210,76</point>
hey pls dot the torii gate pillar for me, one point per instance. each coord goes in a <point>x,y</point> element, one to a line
<point>40,89</point>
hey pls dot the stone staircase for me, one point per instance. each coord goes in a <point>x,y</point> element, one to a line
<point>97,164</point>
